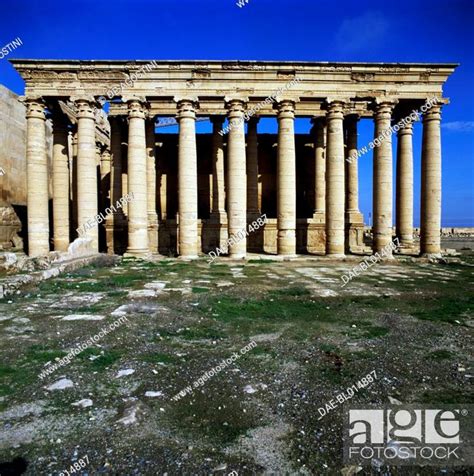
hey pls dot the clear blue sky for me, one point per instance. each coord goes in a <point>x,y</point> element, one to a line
<point>313,30</point>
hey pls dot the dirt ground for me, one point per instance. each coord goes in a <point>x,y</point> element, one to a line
<point>409,323</point>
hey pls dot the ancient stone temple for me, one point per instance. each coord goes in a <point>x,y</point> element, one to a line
<point>190,192</point>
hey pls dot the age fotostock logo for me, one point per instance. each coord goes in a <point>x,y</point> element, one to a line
<point>409,435</point>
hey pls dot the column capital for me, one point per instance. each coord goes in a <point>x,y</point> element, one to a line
<point>85,108</point>
<point>136,109</point>
<point>186,108</point>
<point>35,108</point>
<point>335,110</point>
<point>332,101</point>
<point>383,110</point>
<point>433,113</point>
<point>384,106</point>
<point>286,109</point>
<point>236,108</point>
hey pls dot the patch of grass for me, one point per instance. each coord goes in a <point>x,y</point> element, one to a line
<point>39,353</point>
<point>231,308</point>
<point>294,291</point>
<point>201,332</point>
<point>215,415</point>
<point>103,360</point>
<point>446,395</point>
<point>329,347</point>
<point>369,331</point>
<point>198,290</point>
<point>117,293</point>
<point>440,354</point>
<point>11,377</point>
<point>159,357</point>
<point>444,309</point>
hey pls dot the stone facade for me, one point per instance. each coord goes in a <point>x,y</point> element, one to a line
<point>190,192</point>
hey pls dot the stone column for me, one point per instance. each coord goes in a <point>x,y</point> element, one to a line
<point>125,167</point>
<point>430,232</point>
<point>335,232</point>
<point>218,213</point>
<point>252,170</point>
<point>137,180</point>
<point>187,180</point>
<point>60,184</point>
<point>286,180</point>
<point>115,223</point>
<point>354,218</point>
<point>237,193</point>
<point>319,131</point>
<point>382,184</point>
<point>353,214</point>
<point>105,170</point>
<point>87,173</point>
<point>73,182</point>
<point>151,185</point>
<point>37,179</point>
<point>404,208</point>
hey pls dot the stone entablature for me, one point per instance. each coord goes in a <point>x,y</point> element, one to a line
<point>212,81</point>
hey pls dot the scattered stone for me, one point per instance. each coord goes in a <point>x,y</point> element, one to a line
<point>25,409</point>
<point>350,470</point>
<point>61,384</point>
<point>223,284</point>
<point>21,320</point>
<point>84,403</point>
<point>156,285</point>
<point>130,415</point>
<point>83,317</point>
<point>152,394</point>
<point>249,389</point>
<point>81,247</point>
<point>394,401</point>
<point>123,373</point>
<point>120,311</point>
<point>140,293</point>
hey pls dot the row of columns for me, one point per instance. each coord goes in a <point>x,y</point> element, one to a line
<point>336,180</point>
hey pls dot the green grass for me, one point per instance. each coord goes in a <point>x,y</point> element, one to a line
<point>294,291</point>
<point>39,353</point>
<point>444,309</point>
<point>198,290</point>
<point>159,357</point>
<point>103,360</point>
<point>440,354</point>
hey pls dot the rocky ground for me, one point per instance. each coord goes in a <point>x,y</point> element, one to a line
<point>113,403</point>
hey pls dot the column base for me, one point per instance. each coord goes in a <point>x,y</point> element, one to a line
<point>354,233</point>
<point>144,254</point>
<point>407,248</point>
<point>238,256</point>
<point>336,255</point>
<point>319,217</point>
<point>354,217</point>
<point>188,258</point>
<point>153,232</point>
